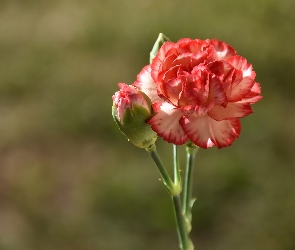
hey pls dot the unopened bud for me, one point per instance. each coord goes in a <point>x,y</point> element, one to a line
<point>159,42</point>
<point>131,110</point>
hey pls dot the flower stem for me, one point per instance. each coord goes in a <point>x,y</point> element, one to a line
<point>177,178</point>
<point>174,190</point>
<point>185,242</point>
<point>168,183</point>
<point>187,201</point>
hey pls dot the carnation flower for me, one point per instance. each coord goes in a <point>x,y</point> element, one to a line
<point>199,90</point>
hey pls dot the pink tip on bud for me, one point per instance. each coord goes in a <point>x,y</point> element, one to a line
<point>131,111</point>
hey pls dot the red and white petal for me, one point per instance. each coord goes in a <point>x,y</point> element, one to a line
<point>253,96</point>
<point>239,90</point>
<point>251,100</point>
<point>146,84</point>
<point>206,132</point>
<point>241,63</point>
<point>171,90</point>
<point>192,46</point>
<point>232,110</point>
<point>216,94</point>
<point>203,57</point>
<point>166,123</point>
<point>184,60</point>
<point>186,45</point>
<point>256,89</point>
<point>167,49</point>
<point>223,50</point>
<point>202,110</point>
<point>188,97</point>
<point>169,74</point>
<point>167,63</point>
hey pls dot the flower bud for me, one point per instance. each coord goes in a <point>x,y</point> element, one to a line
<point>159,42</point>
<point>131,110</point>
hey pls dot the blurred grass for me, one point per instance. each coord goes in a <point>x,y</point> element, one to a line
<point>70,180</point>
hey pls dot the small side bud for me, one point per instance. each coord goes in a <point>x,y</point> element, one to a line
<point>131,110</point>
<point>160,41</point>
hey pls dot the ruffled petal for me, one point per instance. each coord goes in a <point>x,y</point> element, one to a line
<point>216,92</point>
<point>187,45</point>
<point>225,72</point>
<point>172,89</point>
<point>167,63</point>
<point>223,50</point>
<point>146,84</point>
<point>241,63</point>
<point>184,60</point>
<point>239,90</point>
<point>256,89</point>
<point>206,132</point>
<point>232,110</point>
<point>253,96</point>
<point>166,123</point>
<point>195,88</point>
<point>167,49</point>
<point>251,100</point>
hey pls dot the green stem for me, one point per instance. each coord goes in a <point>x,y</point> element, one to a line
<point>187,201</point>
<point>185,242</point>
<point>177,178</point>
<point>174,190</point>
<point>168,183</point>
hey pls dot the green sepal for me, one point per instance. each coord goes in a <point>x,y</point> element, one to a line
<point>159,42</point>
<point>191,147</point>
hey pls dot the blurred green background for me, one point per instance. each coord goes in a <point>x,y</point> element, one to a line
<point>70,180</point>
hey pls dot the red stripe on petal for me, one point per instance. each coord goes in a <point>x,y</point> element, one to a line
<point>216,92</point>
<point>197,130</point>
<point>256,89</point>
<point>206,132</point>
<point>166,123</point>
<point>241,63</point>
<point>240,89</point>
<point>251,100</point>
<point>253,95</point>
<point>232,110</point>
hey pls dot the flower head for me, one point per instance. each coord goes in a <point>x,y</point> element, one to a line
<point>131,111</point>
<point>199,90</point>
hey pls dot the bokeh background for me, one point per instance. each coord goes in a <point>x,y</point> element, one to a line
<point>70,180</point>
